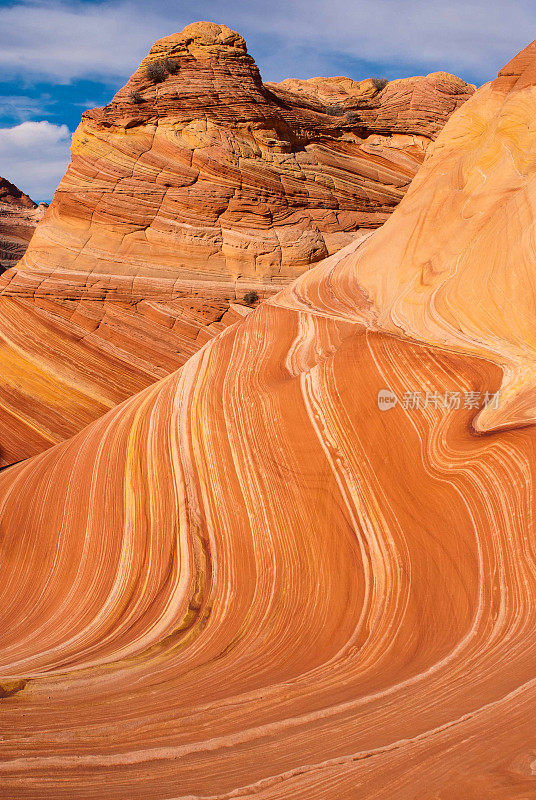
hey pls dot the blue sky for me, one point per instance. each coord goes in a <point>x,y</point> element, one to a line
<point>58,58</point>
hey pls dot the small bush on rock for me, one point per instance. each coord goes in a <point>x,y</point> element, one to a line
<point>353,118</point>
<point>156,71</point>
<point>380,83</point>
<point>172,65</point>
<point>136,98</point>
<point>250,298</point>
<point>335,110</point>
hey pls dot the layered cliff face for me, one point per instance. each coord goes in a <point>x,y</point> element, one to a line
<point>197,170</point>
<point>419,105</point>
<point>195,185</point>
<point>19,216</point>
<point>250,581</point>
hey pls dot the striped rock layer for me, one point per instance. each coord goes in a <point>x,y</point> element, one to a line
<point>19,216</point>
<point>210,174</point>
<point>248,581</point>
<point>181,196</point>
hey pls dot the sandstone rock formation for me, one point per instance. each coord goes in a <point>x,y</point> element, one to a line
<point>419,105</point>
<point>181,196</point>
<point>66,362</point>
<point>248,581</point>
<point>19,216</point>
<point>203,172</point>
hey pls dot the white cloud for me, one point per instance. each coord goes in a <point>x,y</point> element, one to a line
<point>34,156</point>
<point>63,41</point>
<point>468,37</point>
<point>20,107</point>
<point>57,42</point>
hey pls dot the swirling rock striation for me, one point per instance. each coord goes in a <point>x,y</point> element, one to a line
<point>66,362</point>
<point>248,581</point>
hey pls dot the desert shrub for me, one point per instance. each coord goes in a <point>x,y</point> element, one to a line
<point>380,83</point>
<point>251,297</point>
<point>171,65</point>
<point>353,117</point>
<point>136,98</point>
<point>156,71</point>
<point>335,110</point>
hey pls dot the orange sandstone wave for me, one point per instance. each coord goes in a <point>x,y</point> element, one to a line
<point>248,581</point>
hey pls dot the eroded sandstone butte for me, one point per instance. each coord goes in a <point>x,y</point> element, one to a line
<point>182,195</point>
<point>19,216</point>
<point>210,174</point>
<point>250,582</point>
